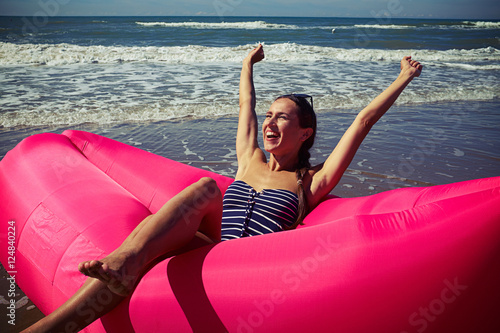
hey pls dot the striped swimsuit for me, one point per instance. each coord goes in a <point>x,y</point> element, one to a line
<point>247,212</point>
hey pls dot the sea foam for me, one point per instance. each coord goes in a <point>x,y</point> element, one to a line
<point>64,54</point>
<point>219,25</point>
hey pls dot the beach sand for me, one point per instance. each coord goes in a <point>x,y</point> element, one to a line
<point>26,313</point>
<point>413,145</point>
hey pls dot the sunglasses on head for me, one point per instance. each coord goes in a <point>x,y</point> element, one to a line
<point>300,96</point>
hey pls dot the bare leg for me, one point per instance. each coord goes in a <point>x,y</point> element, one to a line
<point>173,227</point>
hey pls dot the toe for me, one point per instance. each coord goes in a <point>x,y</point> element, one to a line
<point>104,273</point>
<point>83,267</point>
<point>93,266</point>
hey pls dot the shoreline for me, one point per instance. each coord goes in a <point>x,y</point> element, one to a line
<point>413,145</point>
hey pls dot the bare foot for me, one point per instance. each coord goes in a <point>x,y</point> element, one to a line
<point>114,271</point>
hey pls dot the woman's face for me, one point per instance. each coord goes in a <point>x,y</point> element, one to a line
<point>281,128</point>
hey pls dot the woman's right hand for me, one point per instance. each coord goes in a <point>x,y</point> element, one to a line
<point>255,55</point>
<point>411,67</point>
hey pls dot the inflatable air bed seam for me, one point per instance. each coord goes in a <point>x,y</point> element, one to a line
<point>148,207</point>
<point>425,190</point>
<point>419,195</point>
<point>30,259</point>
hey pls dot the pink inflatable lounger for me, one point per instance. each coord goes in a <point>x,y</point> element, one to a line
<point>408,260</point>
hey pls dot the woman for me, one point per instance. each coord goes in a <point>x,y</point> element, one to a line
<point>267,195</point>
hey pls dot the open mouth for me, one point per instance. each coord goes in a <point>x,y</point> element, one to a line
<point>272,135</point>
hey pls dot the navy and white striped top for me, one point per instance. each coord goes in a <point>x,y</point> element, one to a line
<point>247,212</point>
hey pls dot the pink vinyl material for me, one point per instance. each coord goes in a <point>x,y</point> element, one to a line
<point>408,260</point>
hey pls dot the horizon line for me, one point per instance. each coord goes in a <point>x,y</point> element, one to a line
<point>270,16</point>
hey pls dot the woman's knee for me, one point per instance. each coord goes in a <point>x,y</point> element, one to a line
<point>209,188</point>
<point>207,181</point>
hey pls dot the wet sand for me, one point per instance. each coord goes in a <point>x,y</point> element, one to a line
<point>25,312</point>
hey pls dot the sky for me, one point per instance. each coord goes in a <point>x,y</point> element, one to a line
<point>460,9</point>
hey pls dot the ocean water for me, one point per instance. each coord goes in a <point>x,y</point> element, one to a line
<point>170,85</point>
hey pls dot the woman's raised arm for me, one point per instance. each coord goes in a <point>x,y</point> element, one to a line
<point>246,138</point>
<point>327,177</point>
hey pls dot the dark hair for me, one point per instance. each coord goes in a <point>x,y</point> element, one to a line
<point>307,119</point>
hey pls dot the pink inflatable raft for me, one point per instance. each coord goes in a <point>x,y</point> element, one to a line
<point>408,260</point>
